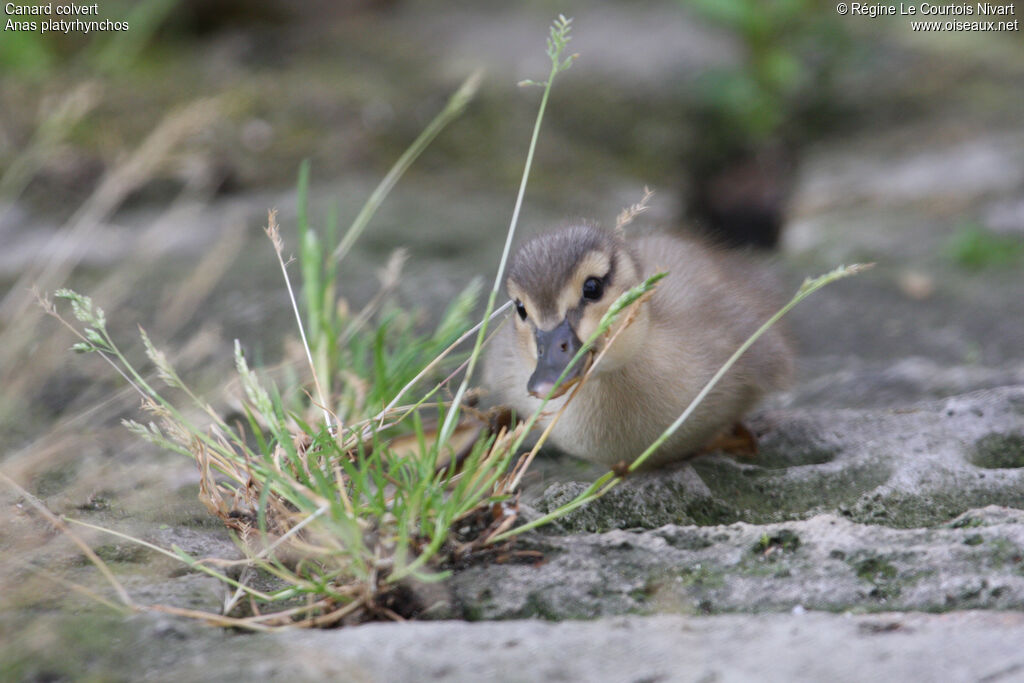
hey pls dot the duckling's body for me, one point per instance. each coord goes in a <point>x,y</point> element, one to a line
<point>699,314</point>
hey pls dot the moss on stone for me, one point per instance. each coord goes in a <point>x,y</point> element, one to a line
<point>999,451</point>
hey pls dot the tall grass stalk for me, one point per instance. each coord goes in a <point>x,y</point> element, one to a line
<point>558,39</point>
<point>274,233</point>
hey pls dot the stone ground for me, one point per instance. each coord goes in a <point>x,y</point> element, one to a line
<point>879,534</point>
<point>959,646</point>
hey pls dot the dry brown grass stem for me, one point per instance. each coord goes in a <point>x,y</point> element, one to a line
<point>215,619</point>
<point>273,622</point>
<point>274,233</point>
<point>150,249</point>
<point>59,116</point>
<point>21,371</point>
<point>79,588</point>
<point>627,215</point>
<point>118,183</point>
<point>59,524</point>
<point>188,295</point>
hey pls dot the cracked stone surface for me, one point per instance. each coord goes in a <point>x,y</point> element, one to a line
<point>917,508</point>
<point>916,465</point>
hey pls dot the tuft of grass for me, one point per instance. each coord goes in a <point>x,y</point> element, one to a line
<point>340,520</point>
<point>339,493</point>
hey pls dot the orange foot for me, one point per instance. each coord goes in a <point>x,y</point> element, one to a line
<point>738,441</point>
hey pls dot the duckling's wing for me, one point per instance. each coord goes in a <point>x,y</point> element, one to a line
<point>709,304</point>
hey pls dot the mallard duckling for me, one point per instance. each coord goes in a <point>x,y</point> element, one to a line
<point>710,302</point>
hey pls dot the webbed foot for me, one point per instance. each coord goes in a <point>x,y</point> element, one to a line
<point>738,441</point>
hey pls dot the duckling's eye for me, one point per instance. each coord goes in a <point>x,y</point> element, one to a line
<point>593,289</point>
<point>521,309</point>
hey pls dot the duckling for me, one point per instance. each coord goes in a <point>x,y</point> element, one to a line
<point>710,302</point>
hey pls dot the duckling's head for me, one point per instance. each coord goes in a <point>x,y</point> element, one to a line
<point>562,284</point>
